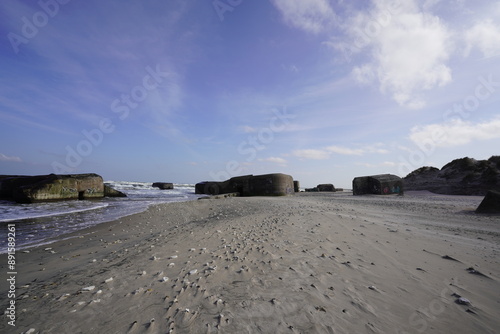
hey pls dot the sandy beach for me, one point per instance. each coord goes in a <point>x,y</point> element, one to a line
<point>309,263</point>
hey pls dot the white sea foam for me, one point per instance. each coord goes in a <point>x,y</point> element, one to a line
<point>11,212</point>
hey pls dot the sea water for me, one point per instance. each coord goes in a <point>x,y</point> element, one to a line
<point>42,223</point>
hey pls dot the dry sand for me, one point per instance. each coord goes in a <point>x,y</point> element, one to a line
<point>310,263</point>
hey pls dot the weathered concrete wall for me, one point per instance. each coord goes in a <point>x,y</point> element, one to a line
<point>361,185</point>
<point>8,183</point>
<point>490,203</point>
<point>325,187</point>
<point>296,186</point>
<point>61,187</point>
<point>163,185</point>
<point>383,184</point>
<point>250,185</point>
<point>270,185</point>
<point>29,189</point>
<point>110,192</point>
<point>214,188</point>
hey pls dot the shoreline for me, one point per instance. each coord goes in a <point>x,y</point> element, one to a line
<point>41,223</point>
<point>311,262</point>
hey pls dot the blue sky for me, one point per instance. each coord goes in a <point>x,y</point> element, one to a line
<point>186,91</point>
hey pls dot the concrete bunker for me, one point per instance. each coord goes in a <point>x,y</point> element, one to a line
<point>250,185</point>
<point>383,184</point>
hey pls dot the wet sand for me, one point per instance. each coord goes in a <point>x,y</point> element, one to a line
<point>309,263</point>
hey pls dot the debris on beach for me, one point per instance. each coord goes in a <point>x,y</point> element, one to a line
<point>462,301</point>
<point>473,271</point>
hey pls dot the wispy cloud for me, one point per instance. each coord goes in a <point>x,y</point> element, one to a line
<point>311,154</point>
<point>313,16</point>
<point>455,133</point>
<point>102,65</point>
<point>275,160</point>
<point>382,164</point>
<point>290,68</point>
<point>4,157</point>
<point>31,122</point>
<point>247,129</point>
<point>344,150</point>
<point>161,107</point>
<point>326,152</point>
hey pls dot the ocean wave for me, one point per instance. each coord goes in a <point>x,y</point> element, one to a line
<point>131,185</point>
<point>23,212</point>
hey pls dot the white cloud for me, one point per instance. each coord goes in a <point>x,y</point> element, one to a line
<point>325,153</point>
<point>485,36</point>
<point>375,149</point>
<point>275,160</point>
<point>312,154</point>
<point>344,150</point>
<point>408,49</point>
<point>454,133</point>
<point>313,16</point>
<point>382,164</point>
<point>4,157</point>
